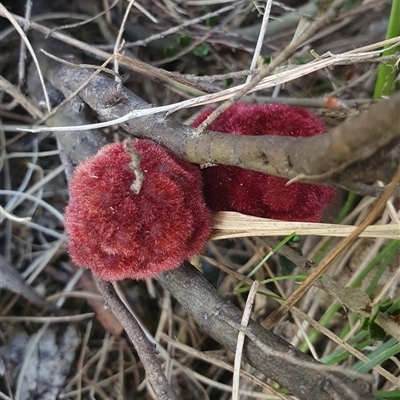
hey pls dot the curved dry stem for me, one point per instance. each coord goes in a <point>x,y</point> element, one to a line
<point>330,158</point>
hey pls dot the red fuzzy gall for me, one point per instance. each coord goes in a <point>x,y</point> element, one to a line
<point>228,188</point>
<point>119,234</point>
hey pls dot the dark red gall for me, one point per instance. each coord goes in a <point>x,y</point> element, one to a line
<point>119,234</point>
<point>228,188</point>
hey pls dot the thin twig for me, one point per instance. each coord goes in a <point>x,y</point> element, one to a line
<point>240,340</point>
<point>260,40</point>
<point>144,348</point>
<point>120,32</point>
<point>86,21</point>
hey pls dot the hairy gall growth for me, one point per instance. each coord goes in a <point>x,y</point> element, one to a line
<point>119,234</point>
<point>228,188</point>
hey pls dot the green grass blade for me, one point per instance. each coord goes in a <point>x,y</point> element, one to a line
<point>387,72</point>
